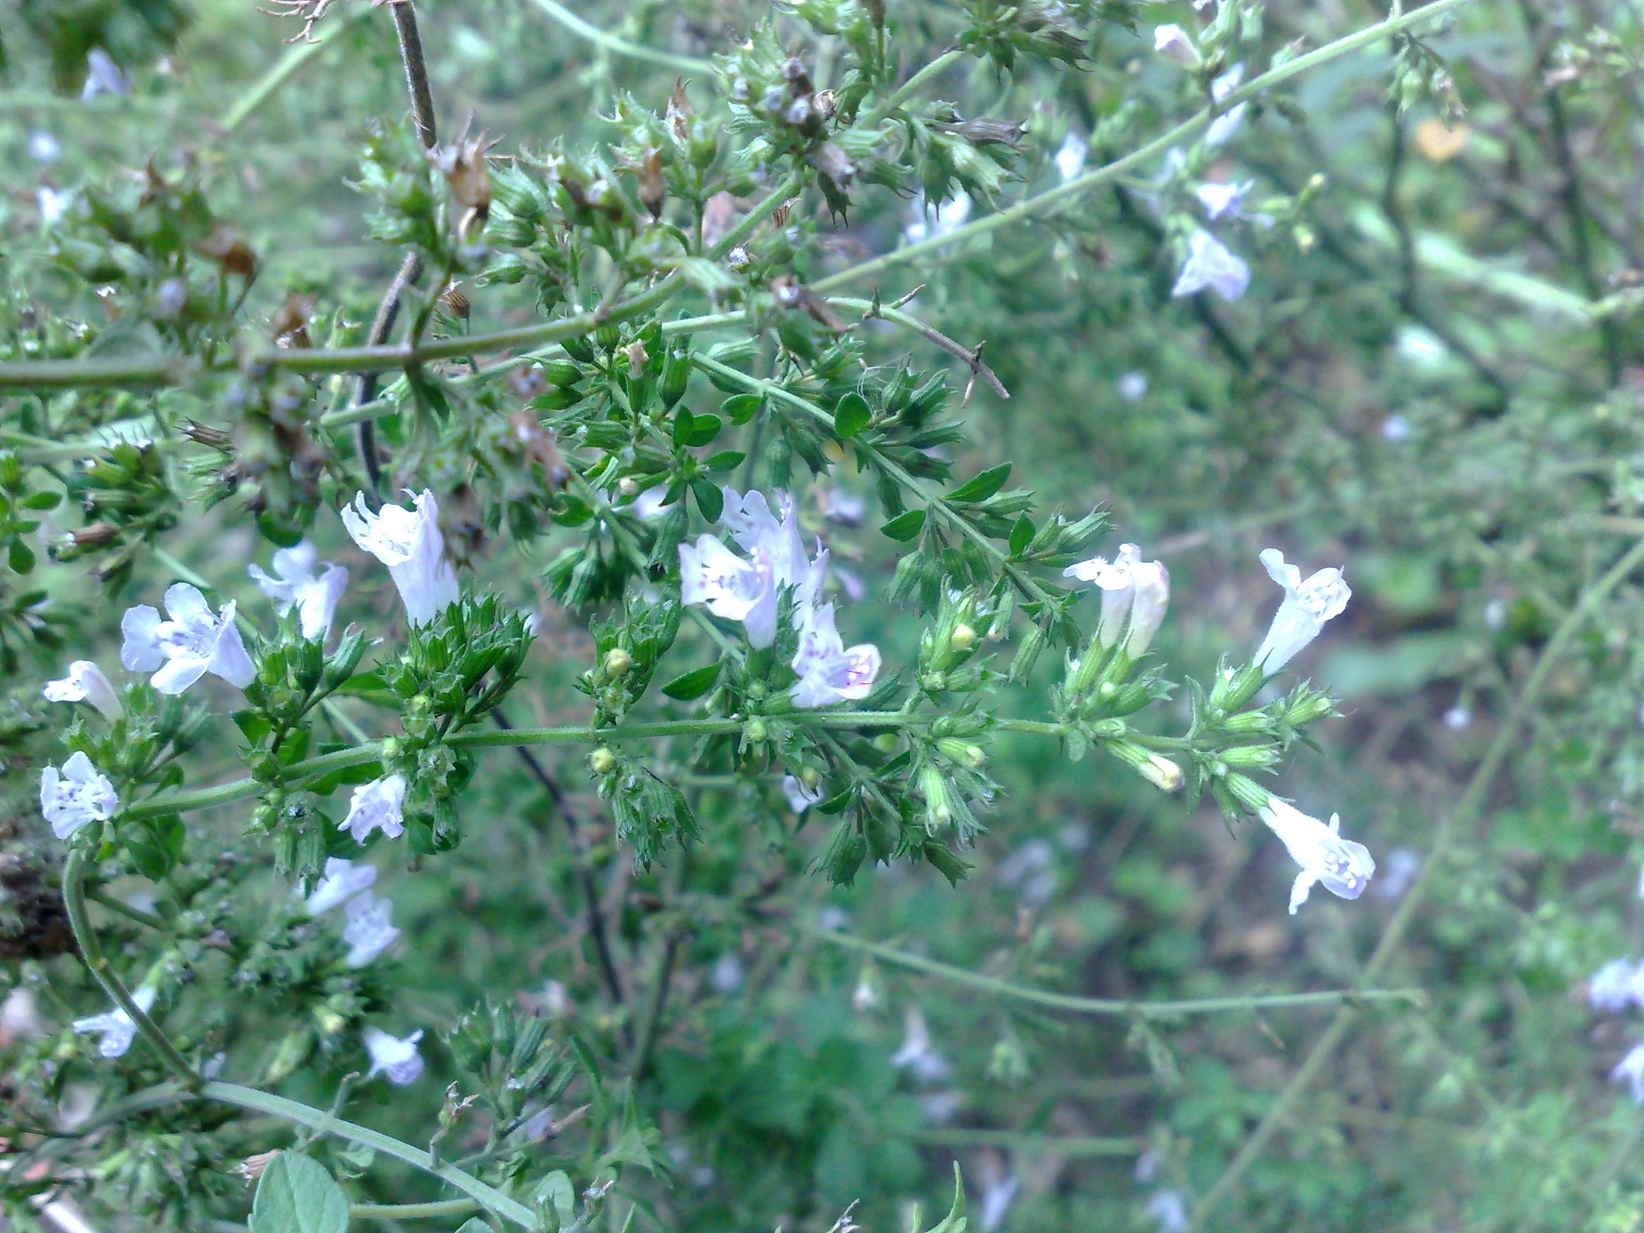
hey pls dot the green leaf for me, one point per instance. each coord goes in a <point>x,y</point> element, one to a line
<point>252,724</point>
<point>851,415</point>
<point>1021,535</point>
<point>692,684</point>
<point>983,486</point>
<point>475,1225</point>
<point>557,1193</point>
<point>741,408</point>
<point>702,429</point>
<point>905,526</point>
<point>708,499</point>
<point>280,534</point>
<point>21,557</point>
<point>725,460</point>
<point>297,1195</point>
<point>41,500</point>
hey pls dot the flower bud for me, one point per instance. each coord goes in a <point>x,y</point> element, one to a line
<point>962,638</point>
<point>617,661</point>
<point>602,761</point>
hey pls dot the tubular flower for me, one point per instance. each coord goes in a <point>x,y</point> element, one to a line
<point>1342,866</point>
<point>408,541</point>
<point>747,589</point>
<point>183,649</point>
<point>1303,612</point>
<point>1210,264</point>
<point>378,805</point>
<point>75,795</point>
<point>296,585</point>
<point>342,881</point>
<point>85,682</point>
<point>117,1028</point>
<point>369,930</point>
<point>1135,594</point>
<point>392,1057</point>
<point>828,671</point>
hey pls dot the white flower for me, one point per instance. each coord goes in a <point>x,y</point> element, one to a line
<point>296,585</point>
<point>997,1195</point>
<point>1132,386</point>
<point>1135,594</point>
<point>397,1059</point>
<point>1226,124</point>
<point>1220,199</point>
<point>408,541</point>
<point>800,798</point>
<point>342,881</point>
<point>43,146</point>
<point>1615,986</point>
<point>192,643</point>
<point>378,805</point>
<point>51,203</point>
<point>85,682</point>
<point>369,930</point>
<point>1306,607</point>
<point>75,795</point>
<point>828,671</point>
<point>1169,1209</point>
<point>116,1026</point>
<point>711,574</point>
<point>1173,42</point>
<point>1342,866</point>
<point>1211,265</point>
<point>1631,1068</point>
<point>1070,158</point>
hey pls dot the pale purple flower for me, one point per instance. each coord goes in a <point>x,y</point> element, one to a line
<point>1457,718</point>
<point>1147,609</point>
<point>997,1195</point>
<point>829,671</point>
<point>800,798</point>
<point>1210,265</point>
<point>1132,386</point>
<point>342,881</point>
<point>1169,1209</point>
<point>1400,872</point>
<point>296,585</point>
<point>1173,42</point>
<point>103,76</point>
<point>1631,1068</point>
<point>369,929</point>
<point>918,1054</point>
<point>1342,866</point>
<point>396,1059</point>
<point>116,1026</point>
<point>378,805</point>
<point>1220,199</point>
<point>51,203</point>
<point>1302,614</point>
<point>747,589</point>
<point>712,575</point>
<point>85,682</point>
<point>43,146</point>
<point>75,795</point>
<point>193,642</point>
<point>1226,124</point>
<point>1615,986</point>
<point>409,542</point>
<point>949,216</point>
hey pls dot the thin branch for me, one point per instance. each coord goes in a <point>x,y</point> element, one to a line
<point>585,879</point>
<point>621,46</point>
<point>1109,1006</point>
<point>972,356</point>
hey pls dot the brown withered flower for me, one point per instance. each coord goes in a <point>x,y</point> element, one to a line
<point>224,246</point>
<point>462,163</point>
<point>789,292</point>
<point>289,325</point>
<point>455,301</point>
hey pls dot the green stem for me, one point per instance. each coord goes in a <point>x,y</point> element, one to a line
<point>1110,1006</point>
<point>1112,171</point>
<point>74,903</point>
<point>411,1211</point>
<point>1057,1144</point>
<point>790,184</point>
<point>326,1124</point>
<point>126,910</point>
<point>907,89</point>
<point>621,46</point>
<point>1467,809</point>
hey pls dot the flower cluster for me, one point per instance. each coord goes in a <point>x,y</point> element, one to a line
<point>368,926</point>
<point>748,589</point>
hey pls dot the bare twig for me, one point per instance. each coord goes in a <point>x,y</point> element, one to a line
<point>422,114</point>
<point>972,356</point>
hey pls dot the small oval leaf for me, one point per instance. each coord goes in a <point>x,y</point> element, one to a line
<point>905,525</point>
<point>851,416</point>
<point>983,486</point>
<point>296,1195</point>
<point>692,684</point>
